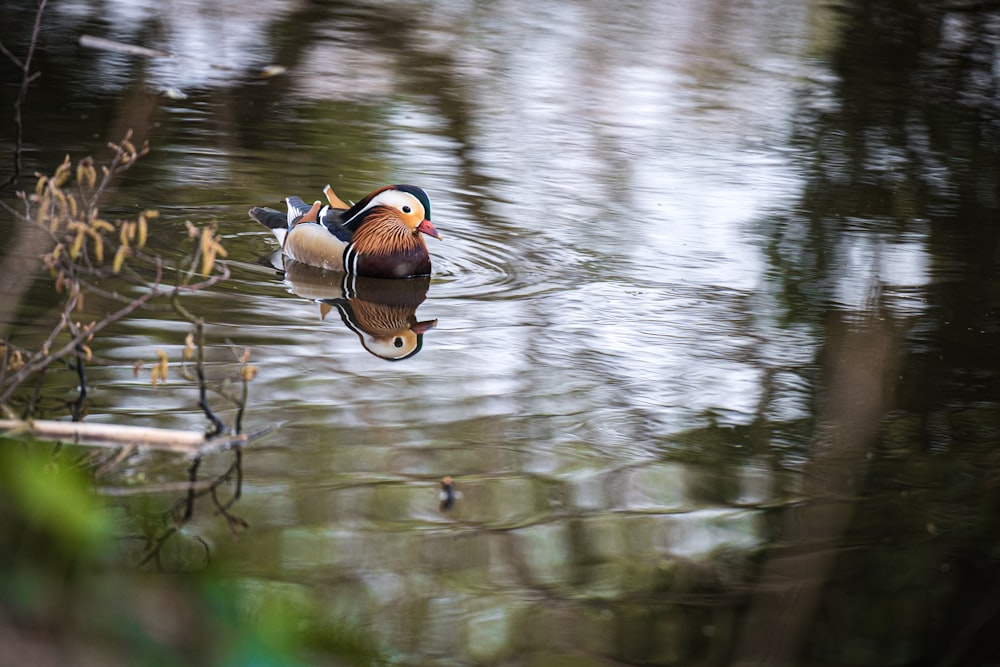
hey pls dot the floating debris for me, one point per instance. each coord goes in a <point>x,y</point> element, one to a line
<point>272,70</point>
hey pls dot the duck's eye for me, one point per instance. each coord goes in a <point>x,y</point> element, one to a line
<point>406,209</point>
<point>397,341</point>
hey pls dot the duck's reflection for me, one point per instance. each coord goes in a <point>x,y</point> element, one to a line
<point>380,311</point>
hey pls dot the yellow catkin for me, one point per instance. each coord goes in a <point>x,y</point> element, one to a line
<point>159,372</point>
<point>207,260</point>
<point>98,248</point>
<point>208,250</point>
<point>77,246</point>
<point>43,214</point>
<point>60,198</point>
<point>102,225</point>
<point>120,255</point>
<point>62,173</point>
<point>162,364</point>
<point>16,361</point>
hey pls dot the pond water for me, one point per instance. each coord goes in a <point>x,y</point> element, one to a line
<point>716,309</point>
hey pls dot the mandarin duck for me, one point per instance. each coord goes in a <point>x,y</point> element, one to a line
<point>377,237</point>
<point>381,312</point>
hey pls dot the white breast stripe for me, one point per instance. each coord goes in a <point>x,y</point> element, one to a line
<point>350,260</point>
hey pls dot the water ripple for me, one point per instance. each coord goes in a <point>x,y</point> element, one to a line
<point>475,266</point>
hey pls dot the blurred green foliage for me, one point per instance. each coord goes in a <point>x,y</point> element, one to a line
<point>66,599</point>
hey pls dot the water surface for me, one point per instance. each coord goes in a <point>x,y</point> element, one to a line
<point>717,288</point>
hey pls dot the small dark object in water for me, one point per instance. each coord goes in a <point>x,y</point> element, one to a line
<point>447,493</point>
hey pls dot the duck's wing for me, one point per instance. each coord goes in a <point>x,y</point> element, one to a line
<point>299,211</point>
<point>333,220</point>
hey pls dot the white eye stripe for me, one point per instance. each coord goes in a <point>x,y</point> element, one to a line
<point>397,199</point>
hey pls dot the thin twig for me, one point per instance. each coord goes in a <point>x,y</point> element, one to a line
<point>80,367</point>
<point>26,78</point>
<point>116,167</point>
<point>188,502</point>
<point>237,465</point>
<point>154,550</point>
<point>109,464</point>
<point>199,340</point>
<point>234,521</point>
<point>43,361</point>
<point>246,374</point>
<point>29,408</point>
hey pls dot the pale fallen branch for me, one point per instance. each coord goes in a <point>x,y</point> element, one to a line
<point>192,444</point>
<point>103,44</point>
<point>107,435</point>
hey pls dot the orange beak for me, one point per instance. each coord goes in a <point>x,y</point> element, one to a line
<point>427,227</point>
<point>423,327</point>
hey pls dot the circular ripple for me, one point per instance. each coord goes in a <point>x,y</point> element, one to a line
<point>476,265</point>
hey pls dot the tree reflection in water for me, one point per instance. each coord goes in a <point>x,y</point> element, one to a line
<point>908,149</point>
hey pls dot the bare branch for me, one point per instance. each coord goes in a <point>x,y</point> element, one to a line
<point>26,78</point>
<point>43,361</point>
